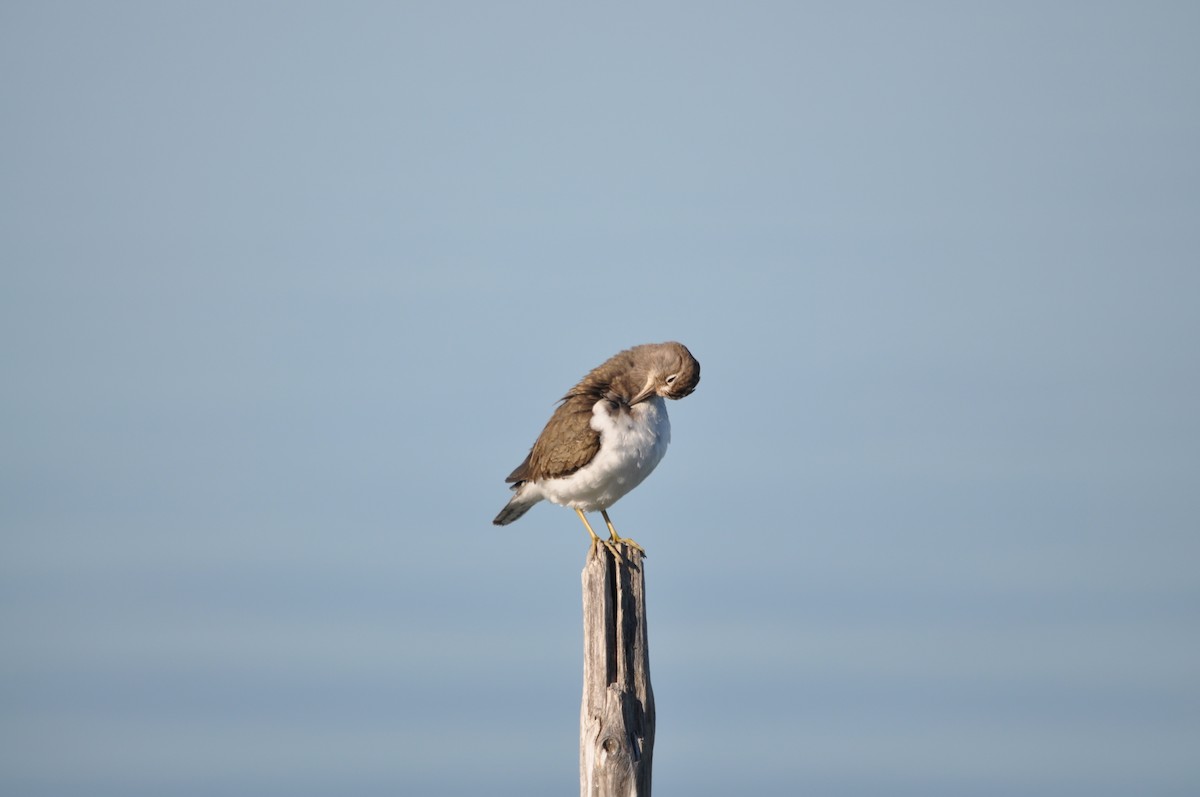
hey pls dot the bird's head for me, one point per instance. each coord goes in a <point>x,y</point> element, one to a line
<point>663,369</point>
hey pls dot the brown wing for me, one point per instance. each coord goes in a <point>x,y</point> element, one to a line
<point>566,444</point>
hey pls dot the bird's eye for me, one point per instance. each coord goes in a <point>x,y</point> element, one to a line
<point>671,378</point>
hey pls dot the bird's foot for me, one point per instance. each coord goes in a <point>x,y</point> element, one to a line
<point>615,540</point>
<point>595,538</point>
<point>597,541</point>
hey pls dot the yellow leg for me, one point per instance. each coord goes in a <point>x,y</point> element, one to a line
<point>613,537</point>
<point>595,539</point>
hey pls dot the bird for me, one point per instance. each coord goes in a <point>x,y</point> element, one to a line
<point>605,437</point>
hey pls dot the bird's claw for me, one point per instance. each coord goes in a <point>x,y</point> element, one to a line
<point>596,542</point>
<point>628,543</point>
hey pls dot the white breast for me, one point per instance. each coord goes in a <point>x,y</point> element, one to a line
<point>632,443</point>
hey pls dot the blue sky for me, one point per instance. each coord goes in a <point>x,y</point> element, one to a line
<point>287,290</point>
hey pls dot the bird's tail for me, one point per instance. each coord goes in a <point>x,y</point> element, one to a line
<point>517,506</point>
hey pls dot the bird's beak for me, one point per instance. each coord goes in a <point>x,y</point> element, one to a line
<point>646,393</point>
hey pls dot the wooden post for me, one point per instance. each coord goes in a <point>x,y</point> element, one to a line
<point>616,720</point>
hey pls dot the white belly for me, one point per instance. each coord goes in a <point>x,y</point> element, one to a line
<point>631,445</point>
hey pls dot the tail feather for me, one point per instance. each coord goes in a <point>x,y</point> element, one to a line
<point>520,503</point>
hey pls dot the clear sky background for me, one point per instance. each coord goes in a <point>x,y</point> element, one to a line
<point>286,290</point>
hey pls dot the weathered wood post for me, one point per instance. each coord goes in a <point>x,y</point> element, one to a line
<point>616,719</point>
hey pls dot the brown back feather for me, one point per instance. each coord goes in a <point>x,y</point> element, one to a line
<point>567,443</point>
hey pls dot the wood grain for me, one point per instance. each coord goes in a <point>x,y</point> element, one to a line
<point>616,722</point>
